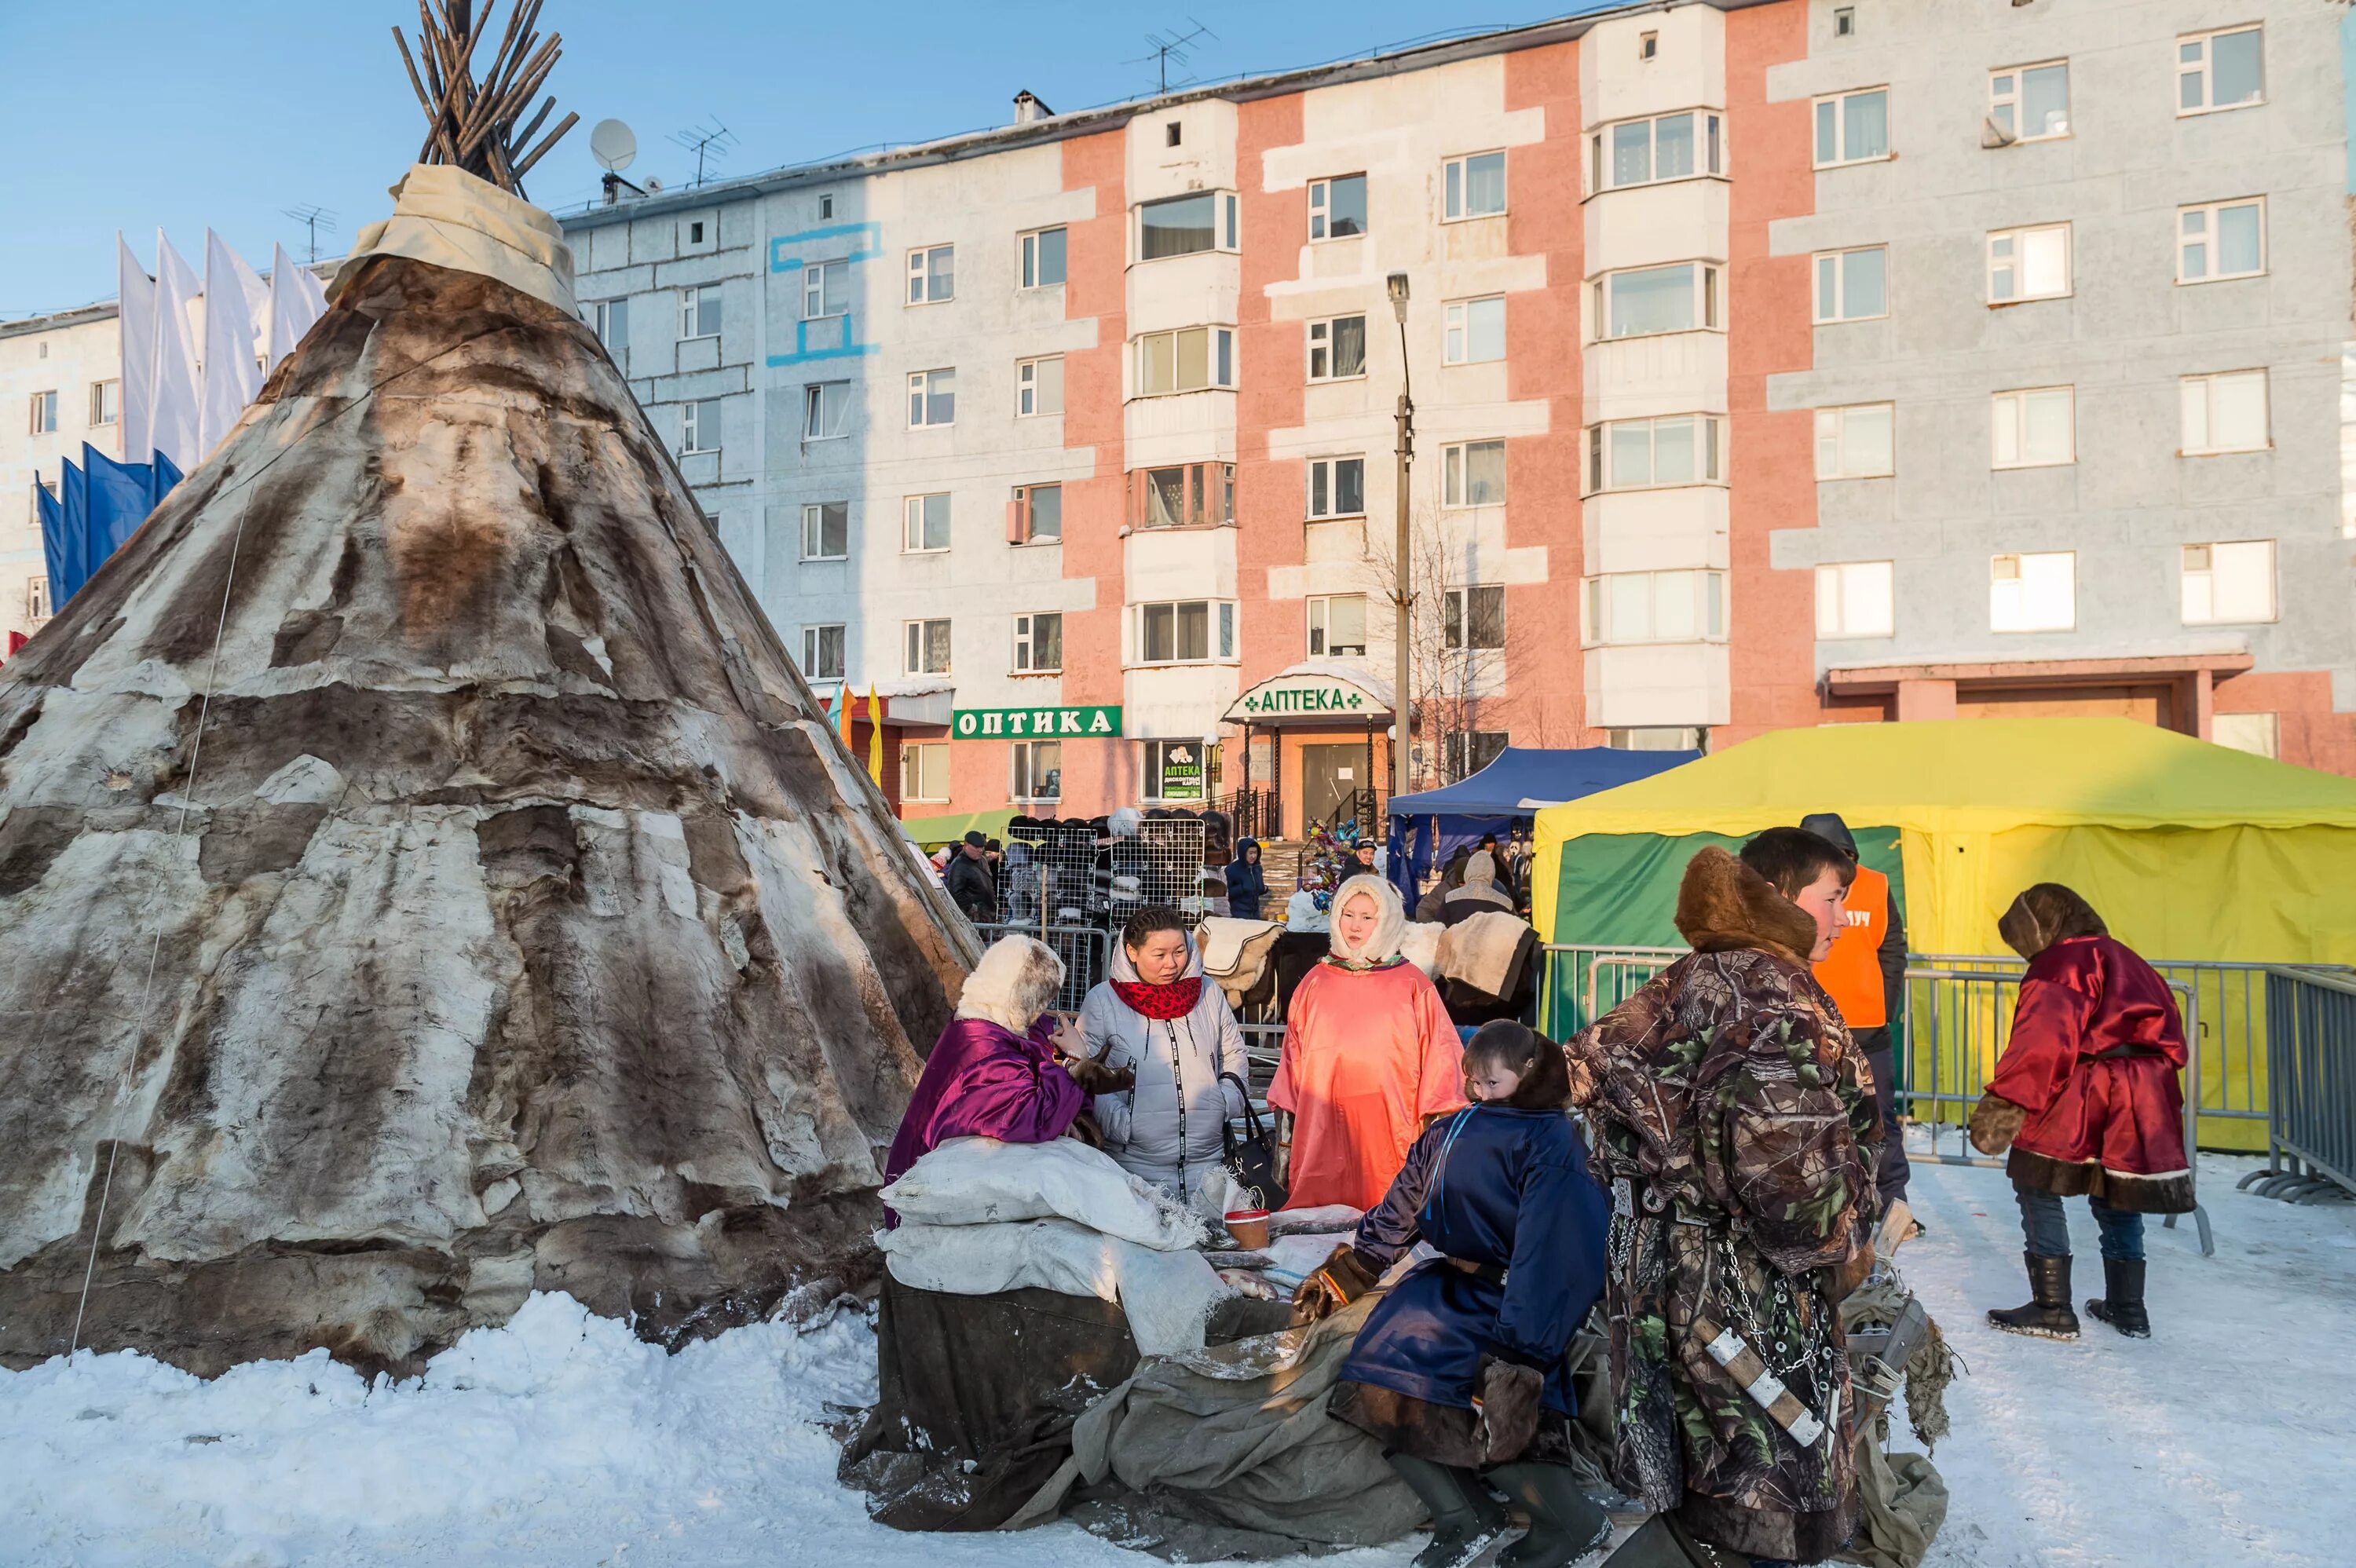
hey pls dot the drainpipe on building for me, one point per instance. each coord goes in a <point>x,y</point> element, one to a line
<point>1403,584</point>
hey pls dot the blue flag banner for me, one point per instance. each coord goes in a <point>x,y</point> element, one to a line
<point>99,506</point>
<point>53,536</point>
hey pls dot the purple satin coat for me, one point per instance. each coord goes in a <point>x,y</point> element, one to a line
<point>983,1080</point>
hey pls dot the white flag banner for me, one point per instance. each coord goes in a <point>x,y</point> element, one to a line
<point>135,406</point>
<point>174,427</point>
<point>296,301</point>
<point>236,304</point>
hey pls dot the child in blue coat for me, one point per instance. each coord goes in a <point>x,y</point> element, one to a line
<point>1459,1369</point>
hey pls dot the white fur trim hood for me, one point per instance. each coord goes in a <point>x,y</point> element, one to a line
<point>1390,930</point>
<point>1014,983</point>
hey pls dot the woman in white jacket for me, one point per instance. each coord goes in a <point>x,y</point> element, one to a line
<point>1158,1017</point>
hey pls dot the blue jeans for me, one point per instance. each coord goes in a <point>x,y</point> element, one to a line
<point>2049,1232</point>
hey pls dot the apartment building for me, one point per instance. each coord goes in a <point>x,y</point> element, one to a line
<point>59,387</point>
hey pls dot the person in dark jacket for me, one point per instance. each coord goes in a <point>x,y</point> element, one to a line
<point>1865,974</point>
<point>1459,1370</point>
<point>1246,881</point>
<point>972,887</point>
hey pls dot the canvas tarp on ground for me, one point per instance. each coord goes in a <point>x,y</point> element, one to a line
<point>1519,782</point>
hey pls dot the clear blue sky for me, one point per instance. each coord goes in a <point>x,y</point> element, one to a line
<point>132,113</point>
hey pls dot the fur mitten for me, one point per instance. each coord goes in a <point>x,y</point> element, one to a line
<point>1508,1416</point>
<point>1995,1122</point>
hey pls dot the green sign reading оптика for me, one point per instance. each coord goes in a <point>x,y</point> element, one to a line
<point>1034,723</point>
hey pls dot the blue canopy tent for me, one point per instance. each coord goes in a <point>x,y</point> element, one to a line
<point>1513,788</point>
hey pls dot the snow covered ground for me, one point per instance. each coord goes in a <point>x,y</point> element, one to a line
<point>2228,1438</point>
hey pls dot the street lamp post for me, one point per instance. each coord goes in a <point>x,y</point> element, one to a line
<point>1403,588</point>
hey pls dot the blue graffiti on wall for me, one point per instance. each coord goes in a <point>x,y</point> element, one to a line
<point>820,259</point>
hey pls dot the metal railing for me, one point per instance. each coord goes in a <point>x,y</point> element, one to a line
<point>2312,1069</point>
<point>1086,951</point>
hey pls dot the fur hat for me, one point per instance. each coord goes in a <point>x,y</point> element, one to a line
<point>2047,913</point>
<point>1014,983</point>
<point>1724,906</point>
<point>1390,928</point>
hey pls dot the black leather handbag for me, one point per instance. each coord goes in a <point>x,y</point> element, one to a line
<point>1252,1154</point>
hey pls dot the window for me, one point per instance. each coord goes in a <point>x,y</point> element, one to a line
<point>2256,733</point>
<point>1656,738</point>
<point>822,653</point>
<point>2028,263</point>
<point>1632,454</point>
<point>699,312</point>
<point>925,523</point>
<point>1655,607</point>
<point>1178,770</point>
<point>1337,626</point>
<point>1648,45</point>
<point>1186,360</point>
<point>1473,618</point>
<point>2031,102</point>
<point>45,413</point>
<point>1337,487</point>
<point>1467,751</point>
<point>932,398</point>
<point>825,530</point>
<point>1043,259</point>
<point>1843,21</point>
<point>1039,386</point>
<point>1853,285</point>
<point>1646,152</point>
<point>1180,632</point>
<point>924,771</point>
<point>1189,493</point>
<point>928,648</point>
<point>610,320</point>
<point>1676,298</point>
<point>1852,128</point>
<point>1035,771</point>
<point>1475,185</point>
<point>2220,70</point>
<point>695,233</point>
<point>826,290</point>
<point>698,426</point>
<point>105,403</point>
<point>932,274</point>
<point>2033,593</point>
<point>1472,473</point>
<point>1172,133</point>
<point>1856,599</point>
<point>826,207</point>
<point>1038,644</point>
<point>2229,582</point>
<point>36,599</point>
<point>2035,429</point>
<point>1856,441</point>
<point>826,410</point>
<point>1038,515</point>
<point>1183,225</point>
<point>1337,349</point>
<point>2225,412</point>
<point>1337,208</point>
<point>1476,331</point>
<point>2222,239</point>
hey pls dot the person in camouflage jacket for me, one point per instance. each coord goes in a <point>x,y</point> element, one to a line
<point>1737,1129</point>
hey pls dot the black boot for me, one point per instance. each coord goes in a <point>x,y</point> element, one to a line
<point>2121,1303</point>
<point>1465,1519</point>
<point>1565,1523</point>
<point>2047,1315</point>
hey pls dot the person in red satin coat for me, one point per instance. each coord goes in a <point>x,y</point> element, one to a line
<point>2087,1098</point>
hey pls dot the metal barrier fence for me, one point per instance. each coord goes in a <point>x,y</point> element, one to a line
<point>2311,1066</point>
<point>1085,949</point>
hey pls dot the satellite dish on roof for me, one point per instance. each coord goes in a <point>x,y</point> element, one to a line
<point>614,145</point>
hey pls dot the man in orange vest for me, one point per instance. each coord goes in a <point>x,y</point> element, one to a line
<point>1865,974</point>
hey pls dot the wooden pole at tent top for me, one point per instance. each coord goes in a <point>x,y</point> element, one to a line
<point>470,123</point>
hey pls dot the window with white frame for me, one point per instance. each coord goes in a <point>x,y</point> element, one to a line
<point>932,274</point>
<point>1473,618</point>
<point>1467,751</point>
<point>1337,349</point>
<point>1337,626</point>
<point>2033,593</point>
<point>1637,454</point>
<point>105,403</point>
<point>1649,152</point>
<point>2225,411</point>
<point>2225,70</point>
<point>1186,225</point>
<point>45,413</point>
<point>1654,607</point>
<point>932,398</point>
<point>826,289</point>
<point>1337,487</point>
<point>698,426</point>
<point>926,646</point>
<point>1042,258</point>
<point>1183,495</point>
<point>610,320</point>
<point>1852,127</point>
<point>825,530</point>
<point>822,658</point>
<point>1185,631</point>
<point>1186,360</point>
<point>2228,584</point>
<point>1337,207</point>
<point>1039,386</point>
<point>1680,298</point>
<point>2028,263</point>
<point>2031,102</point>
<point>2220,239</point>
<point>1473,186</point>
<point>1857,441</point>
<point>699,310</point>
<point>1853,285</point>
<point>1475,331</point>
<point>2036,428</point>
<point>1035,771</point>
<point>1856,599</point>
<point>925,769</point>
<point>2256,733</point>
<point>925,523</point>
<point>1038,515</point>
<point>1039,643</point>
<point>1472,473</point>
<point>36,599</point>
<point>826,410</point>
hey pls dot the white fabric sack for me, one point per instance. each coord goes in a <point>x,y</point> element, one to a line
<point>1166,1295</point>
<point>981,1181</point>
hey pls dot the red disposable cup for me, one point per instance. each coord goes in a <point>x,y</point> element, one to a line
<point>1248,1227</point>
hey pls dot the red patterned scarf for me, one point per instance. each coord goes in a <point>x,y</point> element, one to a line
<point>1174,1001</point>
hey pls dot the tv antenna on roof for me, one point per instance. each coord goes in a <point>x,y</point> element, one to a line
<point>1163,47</point>
<point>711,141</point>
<point>314,218</point>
